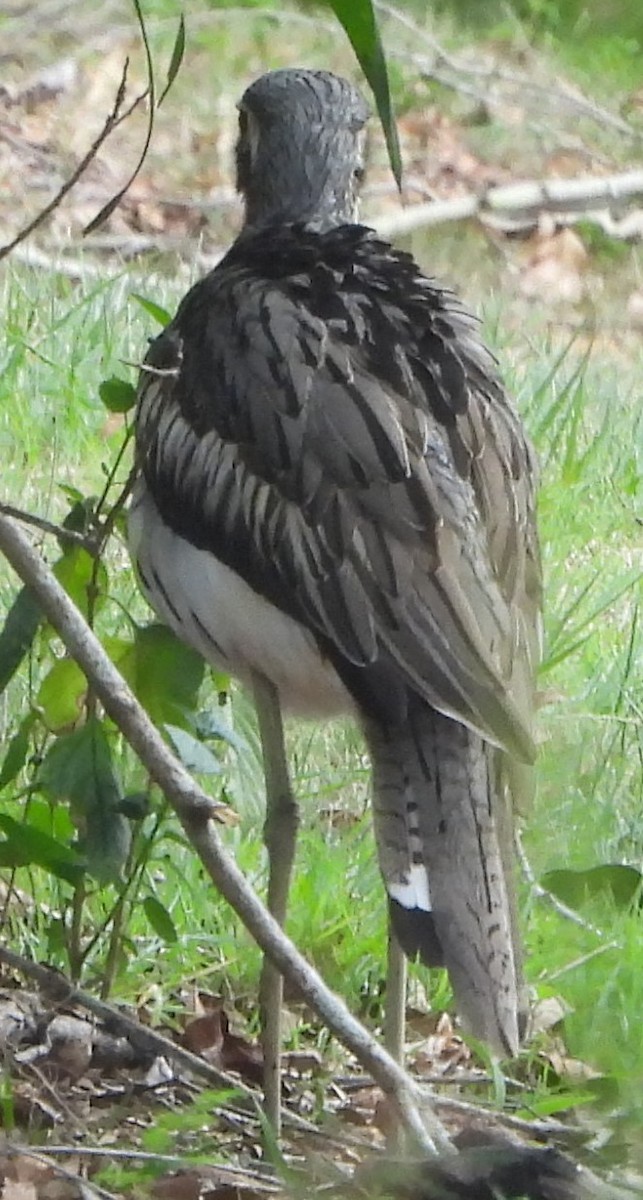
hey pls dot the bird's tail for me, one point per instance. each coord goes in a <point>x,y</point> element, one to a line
<point>443,823</point>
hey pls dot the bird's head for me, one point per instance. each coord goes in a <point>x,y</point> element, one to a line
<point>300,148</point>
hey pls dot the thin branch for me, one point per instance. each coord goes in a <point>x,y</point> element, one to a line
<point>542,893</point>
<point>535,1128</point>
<point>112,121</point>
<point>196,812</point>
<point>84,1187</point>
<point>150,91</point>
<point>88,268</point>
<point>61,264</point>
<point>525,201</point>
<point>582,960</point>
<point>237,1176</point>
<point>118,699</point>
<point>58,531</point>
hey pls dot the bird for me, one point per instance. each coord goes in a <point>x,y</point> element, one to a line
<point>487,1166</point>
<point>335,503</point>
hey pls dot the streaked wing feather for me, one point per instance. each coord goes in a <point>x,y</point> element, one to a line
<point>381,492</point>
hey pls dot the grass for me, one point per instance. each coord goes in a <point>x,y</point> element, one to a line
<point>589,802</point>
<point>578,389</point>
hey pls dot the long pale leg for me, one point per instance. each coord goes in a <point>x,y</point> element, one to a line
<point>280,836</point>
<point>395,1017</point>
<point>395,1012</point>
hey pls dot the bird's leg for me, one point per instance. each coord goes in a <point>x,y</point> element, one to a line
<point>395,1012</point>
<point>280,836</point>
<point>395,1018</point>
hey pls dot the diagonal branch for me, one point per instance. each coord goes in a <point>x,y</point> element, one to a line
<point>197,813</point>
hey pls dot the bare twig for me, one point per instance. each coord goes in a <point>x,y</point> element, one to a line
<point>62,264</point>
<point>584,958</point>
<point>117,698</point>
<point>86,1189</point>
<point>237,1176</point>
<point>525,202</point>
<point>148,1040</point>
<point>197,812</point>
<point>150,91</point>
<point>112,121</point>
<point>52,259</point>
<point>535,1128</point>
<point>538,890</point>
<point>58,531</point>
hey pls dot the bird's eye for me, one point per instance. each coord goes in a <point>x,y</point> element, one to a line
<point>359,173</point>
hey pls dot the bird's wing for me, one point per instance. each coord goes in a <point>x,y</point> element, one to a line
<point>323,418</point>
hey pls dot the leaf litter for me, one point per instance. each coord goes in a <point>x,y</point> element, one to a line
<point>120,1113</point>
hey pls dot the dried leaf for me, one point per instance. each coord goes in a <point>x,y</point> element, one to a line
<point>25,1169</point>
<point>571,1069</point>
<point>555,265</point>
<point>210,1037</point>
<point>71,1044</point>
<point>15,1190</point>
<point>548,1013</point>
<point>204,1035</point>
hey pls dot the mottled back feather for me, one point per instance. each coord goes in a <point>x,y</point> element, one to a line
<point>336,433</point>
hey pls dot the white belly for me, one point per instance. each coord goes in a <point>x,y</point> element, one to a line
<point>230,625</point>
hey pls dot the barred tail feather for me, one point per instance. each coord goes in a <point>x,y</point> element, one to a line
<point>443,826</point>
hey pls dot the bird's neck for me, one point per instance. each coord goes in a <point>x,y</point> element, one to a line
<point>301,192</point>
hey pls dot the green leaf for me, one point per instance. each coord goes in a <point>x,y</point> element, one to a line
<point>52,819</point>
<point>553,1103</point>
<point>160,919</point>
<point>193,754</point>
<point>17,634</point>
<point>17,751</point>
<point>360,24</point>
<point>61,695</point>
<point>25,846</point>
<point>80,518</point>
<point>73,494</point>
<point>135,806</point>
<point>106,843</point>
<point>564,636</point>
<point>164,673</point>
<point>78,769</point>
<point>575,888</point>
<point>56,936</point>
<point>82,578</point>
<point>210,725</point>
<point>117,395</point>
<point>175,60</point>
<point>159,314</point>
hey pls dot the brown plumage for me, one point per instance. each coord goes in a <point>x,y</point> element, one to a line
<point>335,491</point>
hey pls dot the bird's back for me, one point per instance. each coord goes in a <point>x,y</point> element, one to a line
<point>336,434</point>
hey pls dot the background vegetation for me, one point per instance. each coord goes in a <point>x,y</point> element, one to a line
<point>128,893</point>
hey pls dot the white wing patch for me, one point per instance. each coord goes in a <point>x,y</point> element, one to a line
<point>414,892</point>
